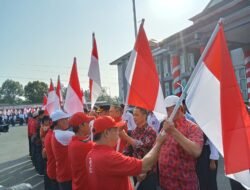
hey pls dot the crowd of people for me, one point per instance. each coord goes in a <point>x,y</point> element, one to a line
<point>16,116</point>
<point>111,148</point>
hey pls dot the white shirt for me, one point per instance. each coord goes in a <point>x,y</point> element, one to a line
<point>153,122</point>
<point>128,117</point>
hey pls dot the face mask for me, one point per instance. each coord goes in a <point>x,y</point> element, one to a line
<point>70,129</point>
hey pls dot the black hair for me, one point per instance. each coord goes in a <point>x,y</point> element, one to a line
<point>143,111</point>
<point>75,129</point>
<point>45,118</point>
<point>97,136</point>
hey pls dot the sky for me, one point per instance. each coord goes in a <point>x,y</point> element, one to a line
<point>39,39</point>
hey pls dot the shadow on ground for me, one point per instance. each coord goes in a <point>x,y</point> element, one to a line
<point>19,171</point>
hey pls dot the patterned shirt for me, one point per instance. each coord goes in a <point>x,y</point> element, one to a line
<point>145,137</point>
<point>176,166</point>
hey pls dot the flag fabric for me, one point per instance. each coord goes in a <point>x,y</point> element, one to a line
<point>144,86</point>
<point>73,101</point>
<point>59,91</point>
<point>215,101</point>
<point>53,103</point>
<point>45,99</point>
<point>94,75</point>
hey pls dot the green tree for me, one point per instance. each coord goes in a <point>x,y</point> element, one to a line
<point>11,91</point>
<point>35,90</point>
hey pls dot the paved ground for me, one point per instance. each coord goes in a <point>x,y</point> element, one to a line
<point>16,167</point>
<point>15,164</point>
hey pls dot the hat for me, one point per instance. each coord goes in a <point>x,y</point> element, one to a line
<point>105,122</point>
<point>79,118</point>
<point>59,114</point>
<point>171,100</point>
<point>35,114</point>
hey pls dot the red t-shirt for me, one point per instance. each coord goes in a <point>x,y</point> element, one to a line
<point>60,141</point>
<point>78,149</point>
<point>32,125</point>
<point>110,170</point>
<point>51,162</point>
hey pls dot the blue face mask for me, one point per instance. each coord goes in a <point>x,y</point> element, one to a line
<point>70,129</point>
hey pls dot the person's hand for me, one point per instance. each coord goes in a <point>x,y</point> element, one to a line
<point>168,126</point>
<point>212,165</point>
<point>141,177</point>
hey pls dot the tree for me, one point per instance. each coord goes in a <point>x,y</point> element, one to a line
<point>11,91</point>
<point>34,91</point>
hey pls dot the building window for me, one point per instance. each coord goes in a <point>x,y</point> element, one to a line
<point>158,65</point>
<point>242,73</point>
<point>165,67</point>
<point>182,63</point>
<point>191,62</point>
<point>167,89</point>
<point>183,83</point>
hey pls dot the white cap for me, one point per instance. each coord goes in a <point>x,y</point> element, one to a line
<point>170,101</point>
<point>35,113</point>
<point>59,114</point>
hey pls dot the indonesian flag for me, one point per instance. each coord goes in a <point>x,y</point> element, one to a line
<point>215,101</point>
<point>94,75</point>
<point>45,99</point>
<point>145,88</point>
<point>73,101</point>
<point>53,103</point>
<point>58,90</point>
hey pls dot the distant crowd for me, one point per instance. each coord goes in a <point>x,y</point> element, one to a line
<point>16,116</point>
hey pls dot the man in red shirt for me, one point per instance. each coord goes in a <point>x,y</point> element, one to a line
<point>51,161</point>
<point>60,141</point>
<point>108,169</point>
<point>78,149</point>
<point>182,147</point>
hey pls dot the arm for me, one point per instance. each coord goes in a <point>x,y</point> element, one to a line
<point>151,157</point>
<point>127,138</point>
<point>189,146</point>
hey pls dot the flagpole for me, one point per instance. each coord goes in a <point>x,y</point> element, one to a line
<point>134,13</point>
<point>196,69</point>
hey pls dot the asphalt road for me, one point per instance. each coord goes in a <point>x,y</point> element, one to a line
<point>16,166</point>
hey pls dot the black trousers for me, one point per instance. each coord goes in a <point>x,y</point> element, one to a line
<point>29,140</point>
<point>206,176</point>
<point>149,183</point>
<point>67,185</point>
<point>51,184</point>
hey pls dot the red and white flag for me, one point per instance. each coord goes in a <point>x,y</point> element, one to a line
<point>215,101</point>
<point>45,99</point>
<point>94,75</point>
<point>53,103</point>
<point>73,101</point>
<point>145,88</point>
<point>59,91</point>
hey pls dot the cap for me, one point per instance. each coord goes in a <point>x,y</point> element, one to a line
<point>105,122</point>
<point>59,114</point>
<point>171,100</point>
<point>35,114</point>
<point>79,118</point>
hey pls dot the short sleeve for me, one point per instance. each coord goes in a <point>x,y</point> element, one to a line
<point>120,165</point>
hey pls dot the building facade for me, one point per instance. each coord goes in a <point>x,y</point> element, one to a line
<point>177,55</point>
